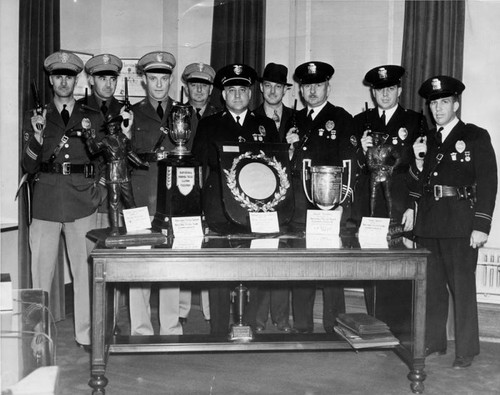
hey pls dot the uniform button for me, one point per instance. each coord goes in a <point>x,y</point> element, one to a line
<point>66,156</point>
<point>66,145</point>
<point>435,173</point>
<point>304,149</point>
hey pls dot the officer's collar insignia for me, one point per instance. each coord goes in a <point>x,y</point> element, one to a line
<point>311,68</point>
<point>382,73</point>
<point>159,57</point>
<point>63,57</point>
<point>241,139</point>
<point>238,69</point>
<point>105,59</point>
<point>262,130</point>
<point>460,146</point>
<point>436,84</point>
<point>200,67</point>
<point>354,140</point>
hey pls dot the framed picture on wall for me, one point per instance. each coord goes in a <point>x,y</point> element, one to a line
<point>83,81</point>
<point>136,89</point>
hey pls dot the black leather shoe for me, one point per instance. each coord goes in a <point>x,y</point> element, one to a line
<point>301,331</point>
<point>259,329</point>
<point>183,320</point>
<point>85,347</point>
<point>283,327</point>
<point>462,362</point>
<point>430,353</point>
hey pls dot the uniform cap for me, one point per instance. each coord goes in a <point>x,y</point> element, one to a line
<point>63,63</point>
<point>275,72</point>
<point>199,72</point>
<point>235,74</point>
<point>156,62</point>
<point>384,76</point>
<point>440,86</point>
<point>313,72</point>
<point>105,64</point>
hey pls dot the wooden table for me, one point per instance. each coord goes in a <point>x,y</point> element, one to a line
<point>234,259</point>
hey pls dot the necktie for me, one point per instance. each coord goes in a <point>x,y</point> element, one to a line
<point>65,115</point>
<point>310,115</point>
<point>198,115</point>
<point>439,136</point>
<point>104,108</point>
<point>238,120</point>
<point>159,110</point>
<point>276,117</point>
<point>382,118</point>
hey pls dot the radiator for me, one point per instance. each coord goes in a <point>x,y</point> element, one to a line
<point>488,275</point>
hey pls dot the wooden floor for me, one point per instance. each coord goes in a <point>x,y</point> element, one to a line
<point>301,373</point>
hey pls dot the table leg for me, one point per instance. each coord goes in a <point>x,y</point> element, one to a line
<point>98,358</point>
<point>417,374</point>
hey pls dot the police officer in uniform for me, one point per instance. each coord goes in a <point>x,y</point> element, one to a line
<point>324,134</point>
<point>401,127</point>
<point>456,186</point>
<point>103,71</point>
<point>198,79</point>
<point>150,143</point>
<point>66,195</point>
<point>236,123</point>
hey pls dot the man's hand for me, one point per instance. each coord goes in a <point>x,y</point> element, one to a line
<point>292,137</point>
<point>38,124</point>
<point>478,239</point>
<point>127,130</point>
<point>408,219</point>
<point>366,141</point>
<point>420,147</point>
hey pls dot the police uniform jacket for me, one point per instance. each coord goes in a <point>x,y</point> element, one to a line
<point>404,127</point>
<point>145,135</point>
<point>327,141</point>
<point>210,109</point>
<point>285,119</point>
<point>58,197</point>
<point>222,127</point>
<point>465,159</point>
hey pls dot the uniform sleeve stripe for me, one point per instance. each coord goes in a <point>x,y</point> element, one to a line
<point>415,195</point>
<point>483,216</point>
<point>412,174</point>
<point>31,154</point>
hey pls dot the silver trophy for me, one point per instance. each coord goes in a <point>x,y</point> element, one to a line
<point>180,128</point>
<point>325,190</point>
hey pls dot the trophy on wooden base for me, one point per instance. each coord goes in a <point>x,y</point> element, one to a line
<point>240,331</point>
<point>179,175</point>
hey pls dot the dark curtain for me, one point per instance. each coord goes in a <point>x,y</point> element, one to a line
<point>433,43</point>
<point>39,36</point>
<point>238,36</point>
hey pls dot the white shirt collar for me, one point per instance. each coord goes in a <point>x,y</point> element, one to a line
<point>242,116</point>
<point>388,113</point>
<point>317,110</point>
<point>448,128</point>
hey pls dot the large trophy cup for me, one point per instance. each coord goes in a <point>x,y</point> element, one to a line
<point>325,190</point>
<point>179,174</point>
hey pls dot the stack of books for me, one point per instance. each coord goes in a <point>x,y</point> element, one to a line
<point>364,331</point>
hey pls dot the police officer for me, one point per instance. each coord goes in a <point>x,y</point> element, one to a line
<point>456,191</point>
<point>400,127</point>
<point>198,79</point>
<point>238,124</point>
<point>103,71</point>
<point>274,85</point>
<point>65,193</point>
<point>323,135</point>
<point>151,143</point>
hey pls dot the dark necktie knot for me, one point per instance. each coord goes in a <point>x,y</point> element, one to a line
<point>310,115</point>
<point>104,108</point>
<point>65,115</point>
<point>439,136</point>
<point>238,120</point>
<point>382,118</point>
<point>198,113</point>
<point>159,110</point>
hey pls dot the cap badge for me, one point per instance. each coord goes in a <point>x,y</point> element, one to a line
<point>382,73</point>
<point>238,69</point>
<point>159,57</point>
<point>436,84</point>
<point>460,146</point>
<point>200,67</point>
<point>311,68</point>
<point>63,57</point>
<point>105,59</point>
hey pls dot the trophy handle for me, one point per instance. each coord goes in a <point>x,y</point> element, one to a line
<point>347,163</point>
<point>306,163</point>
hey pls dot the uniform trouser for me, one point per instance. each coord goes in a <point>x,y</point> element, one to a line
<point>44,243</point>
<point>185,303</point>
<point>303,296</point>
<point>452,263</point>
<point>168,309</point>
<point>274,299</point>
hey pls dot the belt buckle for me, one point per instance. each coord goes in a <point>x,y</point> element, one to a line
<point>66,168</point>
<point>438,192</point>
